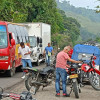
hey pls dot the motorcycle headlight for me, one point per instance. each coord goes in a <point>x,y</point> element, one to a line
<point>80,64</point>
<point>3,57</point>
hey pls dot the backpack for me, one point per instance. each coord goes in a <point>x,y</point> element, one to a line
<point>25,95</point>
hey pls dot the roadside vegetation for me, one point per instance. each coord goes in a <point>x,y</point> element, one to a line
<point>88,19</point>
<point>65,30</point>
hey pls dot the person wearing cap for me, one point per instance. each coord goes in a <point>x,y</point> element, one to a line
<point>61,67</point>
<point>70,52</point>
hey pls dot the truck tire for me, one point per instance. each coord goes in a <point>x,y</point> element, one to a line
<point>19,69</point>
<point>75,89</point>
<point>11,72</point>
<point>37,63</point>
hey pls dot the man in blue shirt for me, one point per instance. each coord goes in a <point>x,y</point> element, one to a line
<point>48,51</point>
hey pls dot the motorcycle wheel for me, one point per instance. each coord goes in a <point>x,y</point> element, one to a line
<point>75,89</point>
<point>29,86</point>
<point>34,89</point>
<point>94,80</point>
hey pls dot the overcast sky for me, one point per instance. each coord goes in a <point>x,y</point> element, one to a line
<point>84,3</point>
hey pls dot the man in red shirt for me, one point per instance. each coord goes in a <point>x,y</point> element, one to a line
<point>61,67</point>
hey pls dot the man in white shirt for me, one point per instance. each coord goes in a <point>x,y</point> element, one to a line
<point>25,52</point>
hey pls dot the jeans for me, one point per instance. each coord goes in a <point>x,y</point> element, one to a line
<point>48,59</point>
<point>24,62</point>
<point>61,73</point>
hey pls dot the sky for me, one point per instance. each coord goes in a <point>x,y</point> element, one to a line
<point>90,4</point>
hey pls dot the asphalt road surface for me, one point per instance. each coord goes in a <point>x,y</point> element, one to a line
<point>7,82</point>
<point>48,93</point>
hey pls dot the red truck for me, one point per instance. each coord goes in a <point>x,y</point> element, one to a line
<point>11,34</point>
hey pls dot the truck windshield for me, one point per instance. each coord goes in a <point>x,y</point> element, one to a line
<point>33,41</point>
<point>3,36</point>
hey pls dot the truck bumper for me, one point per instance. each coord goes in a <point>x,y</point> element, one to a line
<point>4,65</point>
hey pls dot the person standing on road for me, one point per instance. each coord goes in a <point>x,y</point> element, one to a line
<point>25,52</point>
<point>61,67</point>
<point>48,52</point>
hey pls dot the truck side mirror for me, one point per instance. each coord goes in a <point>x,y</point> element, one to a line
<point>40,40</point>
<point>12,42</point>
<point>37,40</point>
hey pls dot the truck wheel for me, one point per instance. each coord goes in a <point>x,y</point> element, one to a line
<point>19,69</point>
<point>11,72</point>
<point>37,63</point>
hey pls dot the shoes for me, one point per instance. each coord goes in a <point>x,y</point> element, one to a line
<point>23,77</point>
<point>66,95</point>
<point>57,95</point>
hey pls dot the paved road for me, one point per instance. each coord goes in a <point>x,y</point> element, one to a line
<point>88,93</point>
<point>6,82</point>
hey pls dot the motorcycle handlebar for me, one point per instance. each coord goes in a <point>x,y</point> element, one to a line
<point>82,60</point>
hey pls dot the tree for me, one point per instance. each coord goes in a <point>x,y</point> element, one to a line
<point>13,11</point>
<point>98,8</point>
<point>72,27</point>
<point>32,11</point>
<point>64,29</point>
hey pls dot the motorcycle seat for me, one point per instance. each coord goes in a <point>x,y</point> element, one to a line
<point>32,69</point>
<point>46,70</point>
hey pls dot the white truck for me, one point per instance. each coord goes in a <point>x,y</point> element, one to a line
<point>39,37</point>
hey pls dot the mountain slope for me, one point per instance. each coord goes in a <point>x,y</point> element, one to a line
<point>89,20</point>
<point>90,26</point>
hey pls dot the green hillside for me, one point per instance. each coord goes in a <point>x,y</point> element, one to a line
<point>89,20</point>
<point>90,26</point>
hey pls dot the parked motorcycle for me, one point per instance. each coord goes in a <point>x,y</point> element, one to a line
<point>37,78</point>
<point>74,79</point>
<point>93,74</point>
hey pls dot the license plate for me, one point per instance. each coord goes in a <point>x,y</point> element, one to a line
<point>73,76</point>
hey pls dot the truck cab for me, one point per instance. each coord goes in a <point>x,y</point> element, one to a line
<point>36,49</point>
<point>39,36</point>
<point>7,49</point>
<point>11,34</point>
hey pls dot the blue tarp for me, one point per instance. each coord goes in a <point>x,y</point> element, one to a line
<point>87,49</point>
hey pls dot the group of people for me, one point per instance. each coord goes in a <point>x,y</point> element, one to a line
<point>61,64</point>
<point>25,52</point>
